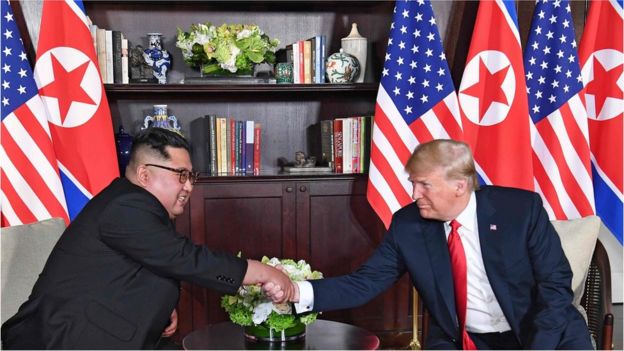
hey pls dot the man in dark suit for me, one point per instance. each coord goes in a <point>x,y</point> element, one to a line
<point>517,293</point>
<point>112,280</point>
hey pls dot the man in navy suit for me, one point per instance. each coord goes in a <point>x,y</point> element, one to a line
<point>518,278</point>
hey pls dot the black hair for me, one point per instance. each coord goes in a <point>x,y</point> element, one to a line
<point>156,140</point>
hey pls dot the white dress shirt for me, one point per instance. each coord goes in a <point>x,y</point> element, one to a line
<point>483,314</point>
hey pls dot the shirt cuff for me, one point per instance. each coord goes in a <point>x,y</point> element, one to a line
<point>306,297</point>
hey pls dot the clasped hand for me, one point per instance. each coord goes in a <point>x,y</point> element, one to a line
<point>276,284</point>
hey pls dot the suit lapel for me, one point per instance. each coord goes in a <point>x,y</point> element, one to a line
<point>435,240</point>
<point>492,238</point>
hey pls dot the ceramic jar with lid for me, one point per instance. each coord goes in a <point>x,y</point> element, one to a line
<point>342,67</point>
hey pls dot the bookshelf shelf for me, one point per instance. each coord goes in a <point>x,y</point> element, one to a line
<point>163,89</point>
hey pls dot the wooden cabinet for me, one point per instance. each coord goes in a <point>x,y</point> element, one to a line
<point>326,221</point>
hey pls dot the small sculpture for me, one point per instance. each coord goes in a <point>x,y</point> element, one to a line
<point>302,161</point>
<point>140,71</point>
<point>157,58</point>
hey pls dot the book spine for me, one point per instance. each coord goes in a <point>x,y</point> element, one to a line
<point>307,62</point>
<point>109,57</point>
<point>240,142</point>
<point>93,29</point>
<point>356,144</point>
<point>301,62</point>
<point>318,60</point>
<point>117,57</point>
<point>323,57</point>
<point>228,146</point>
<point>338,145</point>
<point>213,144</point>
<point>125,76</point>
<point>233,151</point>
<point>296,79</point>
<point>257,145</point>
<point>101,52</point>
<point>199,144</point>
<point>249,146</point>
<point>243,140</point>
<point>223,169</point>
<point>326,146</point>
<point>347,146</point>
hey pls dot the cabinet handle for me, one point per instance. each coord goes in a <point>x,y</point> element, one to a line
<point>303,188</point>
<point>289,189</point>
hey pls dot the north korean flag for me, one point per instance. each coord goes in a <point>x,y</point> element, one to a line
<point>601,55</point>
<point>493,100</point>
<point>70,86</point>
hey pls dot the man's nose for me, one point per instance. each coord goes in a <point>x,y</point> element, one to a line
<point>416,193</point>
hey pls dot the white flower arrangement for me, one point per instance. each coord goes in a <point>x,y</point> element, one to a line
<point>251,307</point>
<point>232,48</point>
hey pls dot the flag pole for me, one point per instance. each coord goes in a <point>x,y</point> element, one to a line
<point>415,344</point>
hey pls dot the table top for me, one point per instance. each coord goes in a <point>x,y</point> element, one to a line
<point>320,335</point>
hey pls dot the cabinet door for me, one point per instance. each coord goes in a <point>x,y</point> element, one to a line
<point>255,218</point>
<point>337,231</point>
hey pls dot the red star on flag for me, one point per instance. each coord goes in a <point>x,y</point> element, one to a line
<point>488,88</point>
<point>604,85</point>
<point>66,87</point>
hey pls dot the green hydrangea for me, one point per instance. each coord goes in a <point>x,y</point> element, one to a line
<point>233,48</point>
<point>250,307</point>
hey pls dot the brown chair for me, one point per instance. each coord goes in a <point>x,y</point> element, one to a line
<point>596,301</point>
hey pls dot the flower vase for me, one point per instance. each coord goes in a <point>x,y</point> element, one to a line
<point>160,119</point>
<point>214,70</point>
<point>356,45</point>
<point>157,58</point>
<point>123,141</point>
<point>263,333</point>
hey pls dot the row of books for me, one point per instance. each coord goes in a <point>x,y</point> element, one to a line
<point>308,59</point>
<point>111,48</point>
<point>225,146</point>
<point>345,143</point>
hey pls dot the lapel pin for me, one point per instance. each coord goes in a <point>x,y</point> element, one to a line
<point>492,226</point>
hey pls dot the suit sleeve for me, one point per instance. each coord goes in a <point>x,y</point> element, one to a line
<point>377,274</point>
<point>135,226</point>
<point>553,276</point>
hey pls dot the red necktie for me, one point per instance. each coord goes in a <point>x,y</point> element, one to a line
<point>460,280</point>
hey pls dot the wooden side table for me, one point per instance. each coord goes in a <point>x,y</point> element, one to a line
<point>320,335</point>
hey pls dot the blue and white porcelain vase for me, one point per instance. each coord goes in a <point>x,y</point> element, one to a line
<point>158,58</point>
<point>342,67</point>
<point>160,119</point>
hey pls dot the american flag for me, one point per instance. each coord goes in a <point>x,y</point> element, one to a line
<point>561,160</point>
<point>416,103</point>
<point>31,188</point>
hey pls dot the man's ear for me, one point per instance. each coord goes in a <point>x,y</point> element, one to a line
<point>461,187</point>
<point>142,176</point>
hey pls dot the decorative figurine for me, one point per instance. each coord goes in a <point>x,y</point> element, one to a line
<point>140,71</point>
<point>160,119</point>
<point>124,144</point>
<point>356,45</point>
<point>157,58</point>
<point>342,67</point>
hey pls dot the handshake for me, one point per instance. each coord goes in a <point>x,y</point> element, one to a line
<point>276,284</point>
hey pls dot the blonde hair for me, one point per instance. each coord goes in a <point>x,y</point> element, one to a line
<point>453,156</point>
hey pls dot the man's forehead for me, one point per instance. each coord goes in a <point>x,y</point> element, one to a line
<point>425,174</point>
